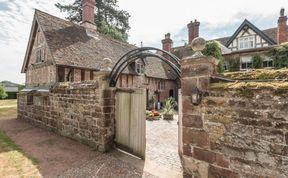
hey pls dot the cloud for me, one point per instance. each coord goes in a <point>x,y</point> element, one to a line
<point>15,20</point>
<point>150,20</point>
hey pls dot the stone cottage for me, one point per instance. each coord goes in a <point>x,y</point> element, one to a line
<point>62,51</point>
<point>246,42</point>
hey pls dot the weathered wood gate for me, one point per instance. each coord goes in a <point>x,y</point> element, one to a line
<point>130,121</point>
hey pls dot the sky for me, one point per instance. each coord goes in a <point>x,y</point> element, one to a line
<point>149,21</point>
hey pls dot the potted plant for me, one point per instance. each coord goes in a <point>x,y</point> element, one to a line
<point>168,109</point>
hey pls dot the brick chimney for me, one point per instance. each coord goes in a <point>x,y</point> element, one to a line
<point>193,30</point>
<point>282,27</point>
<point>88,18</point>
<point>167,43</point>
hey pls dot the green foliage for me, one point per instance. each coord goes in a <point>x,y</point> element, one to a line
<point>213,49</point>
<point>234,64</point>
<point>3,93</point>
<point>169,105</point>
<point>257,62</point>
<point>279,55</point>
<point>109,20</point>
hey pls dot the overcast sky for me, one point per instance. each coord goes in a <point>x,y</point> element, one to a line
<point>150,20</point>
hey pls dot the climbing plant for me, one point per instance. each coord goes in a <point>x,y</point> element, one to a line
<point>213,49</point>
<point>279,54</point>
<point>257,62</point>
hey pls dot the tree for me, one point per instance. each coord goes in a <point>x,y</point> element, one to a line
<point>109,20</point>
<point>213,49</point>
<point>3,93</point>
<point>257,62</point>
<point>279,54</point>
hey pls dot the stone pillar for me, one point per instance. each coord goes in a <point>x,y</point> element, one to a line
<point>197,157</point>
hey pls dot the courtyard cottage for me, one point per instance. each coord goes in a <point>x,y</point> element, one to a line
<point>94,89</point>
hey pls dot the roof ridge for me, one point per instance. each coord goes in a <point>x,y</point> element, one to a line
<point>46,13</point>
<point>73,23</point>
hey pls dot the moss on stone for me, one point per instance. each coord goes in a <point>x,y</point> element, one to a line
<point>259,74</point>
<point>276,85</point>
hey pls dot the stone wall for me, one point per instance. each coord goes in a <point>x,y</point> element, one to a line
<point>82,111</point>
<point>232,133</point>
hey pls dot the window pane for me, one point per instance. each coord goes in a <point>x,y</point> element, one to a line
<point>249,65</point>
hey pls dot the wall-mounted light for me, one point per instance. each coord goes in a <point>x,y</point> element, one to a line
<point>196,96</point>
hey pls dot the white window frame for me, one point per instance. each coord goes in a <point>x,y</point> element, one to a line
<point>246,42</point>
<point>246,60</point>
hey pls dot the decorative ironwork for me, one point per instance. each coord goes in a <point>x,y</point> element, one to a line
<point>142,53</point>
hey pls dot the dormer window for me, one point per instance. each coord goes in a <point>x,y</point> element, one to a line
<point>246,42</point>
<point>139,68</point>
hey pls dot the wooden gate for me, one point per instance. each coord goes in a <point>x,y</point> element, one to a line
<point>130,121</point>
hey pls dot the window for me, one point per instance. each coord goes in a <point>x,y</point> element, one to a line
<point>171,93</point>
<point>140,68</point>
<point>226,66</point>
<point>91,75</point>
<point>267,62</point>
<point>61,74</point>
<point>161,85</point>
<point>38,56</point>
<point>246,63</point>
<point>246,42</point>
<point>30,99</point>
<point>82,75</point>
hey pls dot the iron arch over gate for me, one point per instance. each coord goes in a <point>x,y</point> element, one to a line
<point>142,53</point>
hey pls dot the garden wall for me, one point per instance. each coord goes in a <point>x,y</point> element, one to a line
<point>82,111</point>
<point>238,130</point>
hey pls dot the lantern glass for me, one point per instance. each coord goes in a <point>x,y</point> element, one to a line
<point>195,96</point>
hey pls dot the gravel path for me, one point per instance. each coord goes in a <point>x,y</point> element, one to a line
<point>162,143</point>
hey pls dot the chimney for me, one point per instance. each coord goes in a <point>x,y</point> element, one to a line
<point>282,27</point>
<point>88,18</point>
<point>193,30</point>
<point>167,43</point>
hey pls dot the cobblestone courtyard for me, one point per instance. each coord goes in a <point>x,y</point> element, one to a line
<point>162,143</point>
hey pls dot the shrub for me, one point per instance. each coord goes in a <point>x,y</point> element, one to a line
<point>257,62</point>
<point>169,106</point>
<point>3,93</point>
<point>279,54</point>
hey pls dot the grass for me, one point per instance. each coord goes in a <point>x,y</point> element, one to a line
<point>8,108</point>
<point>251,85</point>
<point>8,102</point>
<point>259,74</point>
<point>14,161</point>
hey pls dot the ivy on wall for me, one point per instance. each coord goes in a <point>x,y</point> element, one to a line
<point>279,54</point>
<point>213,49</point>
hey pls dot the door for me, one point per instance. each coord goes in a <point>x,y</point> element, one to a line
<point>130,121</point>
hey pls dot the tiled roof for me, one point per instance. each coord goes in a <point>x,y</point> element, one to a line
<point>71,46</point>
<point>182,51</point>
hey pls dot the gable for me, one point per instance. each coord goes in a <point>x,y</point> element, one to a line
<point>252,33</point>
<point>36,46</point>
